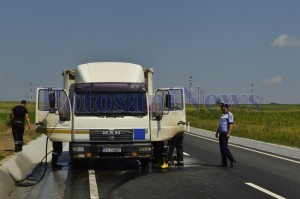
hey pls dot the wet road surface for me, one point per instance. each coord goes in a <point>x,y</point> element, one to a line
<point>199,178</point>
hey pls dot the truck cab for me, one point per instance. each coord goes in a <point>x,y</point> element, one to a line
<point>109,110</point>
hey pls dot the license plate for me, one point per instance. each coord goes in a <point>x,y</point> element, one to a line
<point>111,150</point>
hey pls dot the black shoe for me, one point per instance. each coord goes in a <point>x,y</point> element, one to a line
<point>56,167</point>
<point>232,164</point>
<point>222,165</point>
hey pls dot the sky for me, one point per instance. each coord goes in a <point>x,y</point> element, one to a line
<point>224,46</point>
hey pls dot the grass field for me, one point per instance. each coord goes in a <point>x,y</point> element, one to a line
<point>274,123</point>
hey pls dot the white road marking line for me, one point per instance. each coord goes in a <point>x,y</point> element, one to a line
<point>264,190</point>
<point>184,153</point>
<point>253,150</point>
<point>93,185</point>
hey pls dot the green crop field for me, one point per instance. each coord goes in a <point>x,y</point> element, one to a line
<point>274,123</point>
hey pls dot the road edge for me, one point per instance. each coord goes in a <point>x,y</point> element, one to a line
<point>281,150</point>
<point>16,166</point>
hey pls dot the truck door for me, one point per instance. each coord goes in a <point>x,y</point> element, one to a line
<point>168,113</point>
<point>53,114</point>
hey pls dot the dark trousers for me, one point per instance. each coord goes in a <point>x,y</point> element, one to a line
<point>57,150</point>
<point>18,129</point>
<point>225,152</point>
<point>176,142</point>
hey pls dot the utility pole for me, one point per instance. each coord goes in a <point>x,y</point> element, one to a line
<point>191,88</point>
<point>30,96</point>
<point>252,92</point>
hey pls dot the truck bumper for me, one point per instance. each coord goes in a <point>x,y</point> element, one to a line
<point>102,150</point>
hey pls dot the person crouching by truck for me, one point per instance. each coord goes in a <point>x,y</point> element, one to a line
<point>17,120</point>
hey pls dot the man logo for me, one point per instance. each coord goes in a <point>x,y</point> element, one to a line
<point>111,133</point>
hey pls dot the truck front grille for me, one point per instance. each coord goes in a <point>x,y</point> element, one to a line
<point>116,135</point>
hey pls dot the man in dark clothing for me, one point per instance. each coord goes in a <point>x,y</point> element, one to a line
<point>57,150</point>
<point>17,119</point>
<point>176,142</point>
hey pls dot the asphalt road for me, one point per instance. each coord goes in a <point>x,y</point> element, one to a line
<point>255,175</point>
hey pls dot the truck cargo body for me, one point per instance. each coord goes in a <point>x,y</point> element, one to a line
<point>107,110</point>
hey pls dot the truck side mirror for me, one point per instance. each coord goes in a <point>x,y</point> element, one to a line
<point>63,117</point>
<point>52,101</point>
<point>157,116</point>
<point>157,107</point>
<point>168,101</point>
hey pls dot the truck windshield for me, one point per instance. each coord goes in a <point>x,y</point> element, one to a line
<point>110,99</point>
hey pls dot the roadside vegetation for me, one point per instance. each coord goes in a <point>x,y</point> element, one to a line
<point>274,123</point>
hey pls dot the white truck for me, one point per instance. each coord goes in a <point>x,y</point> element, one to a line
<point>109,110</point>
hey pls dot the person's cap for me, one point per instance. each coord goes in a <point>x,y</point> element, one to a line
<point>23,102</point>
<point>224,105</point>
